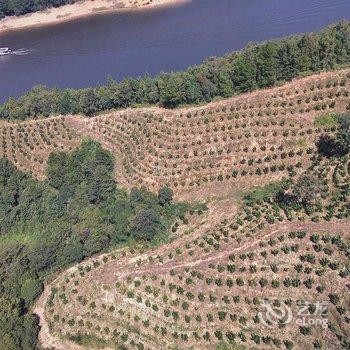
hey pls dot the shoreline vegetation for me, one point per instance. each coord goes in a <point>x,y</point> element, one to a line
<point>83,8</point>
<point>258,66</point>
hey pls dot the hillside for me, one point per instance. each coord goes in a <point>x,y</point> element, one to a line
<point>209,286</point>
<point>199,151</point>
<point>261,269</point>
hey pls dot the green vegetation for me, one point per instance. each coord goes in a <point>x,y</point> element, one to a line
<point>343,135</point>
<point>176,278</point>
<point>257,66</point>
<point>89,340</point>
<point>328,120</point>
<point>78,211</point>
<point>225,346</point>
<point>308,191</point>
<point>270,191</point>
<point>20,7</point>
<point>338,145</point>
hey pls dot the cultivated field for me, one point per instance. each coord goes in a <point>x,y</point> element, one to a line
<point>199,152</point>
<point>258,274</point>
<point>211,284</point>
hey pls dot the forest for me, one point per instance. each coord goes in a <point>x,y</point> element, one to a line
<point>22,7</point>
<point>255,67</point>
<point>77,212</point>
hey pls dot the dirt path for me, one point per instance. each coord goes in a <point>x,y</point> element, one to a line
<point>47,339</point>
<point>338,227</point>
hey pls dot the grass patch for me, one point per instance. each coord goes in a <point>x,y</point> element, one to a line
<point>302,143</point>
<point>89,340</point>
<point>271,190</point>
<point>226,346</point>
<point>327,120</point>
<point>28,235</point>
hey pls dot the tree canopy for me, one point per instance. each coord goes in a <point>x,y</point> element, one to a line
<point>45,226</point>
<point>338,144</point>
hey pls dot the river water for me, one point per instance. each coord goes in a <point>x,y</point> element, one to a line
<point>84,52</point>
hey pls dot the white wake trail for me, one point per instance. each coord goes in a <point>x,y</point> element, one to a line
<point>21,52</point>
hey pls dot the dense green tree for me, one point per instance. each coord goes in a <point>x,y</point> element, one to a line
<point>267,64</point>
<point>129,93</point>
<point>10,310</point>
<point>30,289</point>
<point>192,88</point>
<point>309,53</point>
<point>224,82</point>
<point>307,189</point>
<point>327,146</point>
<point>171,89</point>
<point>57,171</point>
<point>327,45</point>
<point>65,103</point>
<point>89,169</point>
<point>89,101</point>
<point>342,43</point>
<point>165,195</point>
<point>145,226</point>
<point>244,73</point>
<point>288,57</point>
<point>149,89</point>
<point>339,144</point>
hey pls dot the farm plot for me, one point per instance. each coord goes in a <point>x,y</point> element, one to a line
<point>215,298</point>
<point>29,144</point>
<point>214,283</point>
<point>251,139</point>
<point>202,151</point>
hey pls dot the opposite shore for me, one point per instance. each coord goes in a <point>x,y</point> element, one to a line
<point>82,8</point>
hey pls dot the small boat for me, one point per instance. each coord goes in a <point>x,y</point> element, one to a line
<point>4,51</point>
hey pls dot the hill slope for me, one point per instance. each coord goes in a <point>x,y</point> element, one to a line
<point>267,271</point>
<point>199,151</point>
<point>211,285</point>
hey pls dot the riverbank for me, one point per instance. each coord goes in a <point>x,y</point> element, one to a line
<point>73,11</point>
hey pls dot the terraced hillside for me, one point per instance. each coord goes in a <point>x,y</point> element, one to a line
<point>201,151</point>
<point>215,282</point>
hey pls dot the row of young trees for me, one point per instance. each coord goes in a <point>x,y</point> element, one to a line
<point>257,66</point>
<point>22,7</point>
<point>45,226</point>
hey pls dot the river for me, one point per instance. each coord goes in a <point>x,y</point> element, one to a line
<point>84,52</point>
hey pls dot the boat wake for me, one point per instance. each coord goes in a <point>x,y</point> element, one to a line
<point>5,51</point>
<point>21,52</point>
